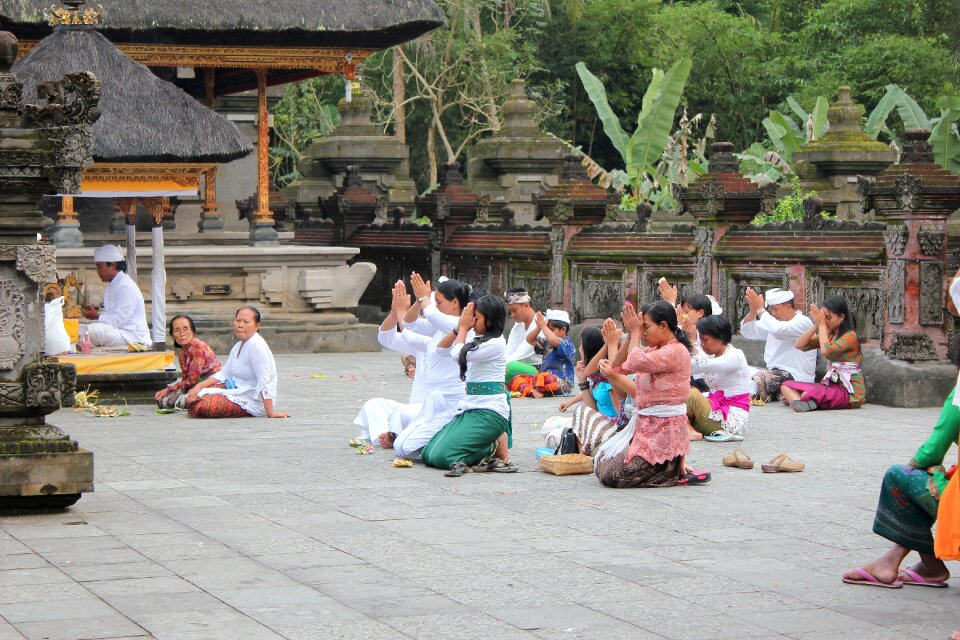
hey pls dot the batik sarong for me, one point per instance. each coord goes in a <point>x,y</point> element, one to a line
<point>638,473</point>
<point>216,405</point>
<point>769,382</point>
<point>907,509</point>
<point>592,429</point>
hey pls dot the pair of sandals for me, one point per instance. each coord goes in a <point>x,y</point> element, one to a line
<point>905,577</point>
<point>487,465</point>
<point>782,463</point>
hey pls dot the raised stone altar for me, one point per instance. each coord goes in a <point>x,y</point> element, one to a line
<point>42,150</point>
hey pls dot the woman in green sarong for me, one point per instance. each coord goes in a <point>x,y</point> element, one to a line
<point>909,499</point>
<point>481,428</point>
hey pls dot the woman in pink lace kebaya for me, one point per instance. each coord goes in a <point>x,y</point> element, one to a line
<point>650,450</point>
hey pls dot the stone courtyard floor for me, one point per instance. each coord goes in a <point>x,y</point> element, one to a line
<point>250,529</point>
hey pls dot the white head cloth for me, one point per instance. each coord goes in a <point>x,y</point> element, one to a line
<point>108,253</point>
<point>557,315</point>
<point>517,297</point>
<point>715,308</point>
<point>778,296</point>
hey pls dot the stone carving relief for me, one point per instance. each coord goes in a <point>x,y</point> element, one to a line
<point>713,195</point>
<point>11,325</point>
<point>556,262</point>
<point>38,262</point>
<point>931,239</point>
<point>702,278</point>
<point>8,253</point>
<point>182,289</point>
<point>538,288</point>
<point>865,307</point>
<point>42,385</point>
<point>908,191</point>
<point>931,293</point>
<point>895,279</point>
<point>11,393</point>
<point>483,209</point>
<point>436,245</point>
<point>562,212</point>
<point>599,299</point>
<point>912,347</point>
<point>896,236</point>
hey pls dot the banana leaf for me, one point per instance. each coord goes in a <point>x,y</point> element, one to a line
<point>820,124</point>
<point>797,109</point>
<point>944,138</point>
<point>598,96</point>
<point>647,143</point>
<point>910,112</point>
<point>878,117</point>
<point>650,95</point>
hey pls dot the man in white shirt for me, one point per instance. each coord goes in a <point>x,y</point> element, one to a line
<point>777,321</point>
<point>521,356</point>
<point>123,319</point>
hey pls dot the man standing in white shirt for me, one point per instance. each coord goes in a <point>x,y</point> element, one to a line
<point>123,319</point>
<point>777,321</point>
<point>521,356</point>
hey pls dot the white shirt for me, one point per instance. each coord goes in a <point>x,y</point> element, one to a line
<point>517,346</point>
<point>730,373</point>
<point>780,351</point>
<point>123,309</point>
<point>485,364</point>
<point>252,367</point>
<point>435,372</point>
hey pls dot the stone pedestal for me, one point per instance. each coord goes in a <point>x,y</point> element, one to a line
<point>383,162</point>
<point>831,165</point>
<point>517,161</point>
<point>37,460</point>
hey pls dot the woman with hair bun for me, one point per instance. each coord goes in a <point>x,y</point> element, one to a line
<point>650,450</point>
<point>721,415</point>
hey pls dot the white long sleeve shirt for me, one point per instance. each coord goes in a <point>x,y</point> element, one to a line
<point>254,372</point>
<point>123,309</point>
<point>780,351</point>
<point>730,373</point>
<point>435,372</point>
<point>485,364</point>
<point>518,349</point>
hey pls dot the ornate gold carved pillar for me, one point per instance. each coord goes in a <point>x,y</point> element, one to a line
<point>261,230</point>
<point>66,231</point>
<point>211,219</point>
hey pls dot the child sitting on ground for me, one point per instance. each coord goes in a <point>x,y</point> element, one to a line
<point>556,373</point>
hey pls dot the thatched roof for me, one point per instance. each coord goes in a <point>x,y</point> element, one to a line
<point>375,24</point>
<point>145,119</point>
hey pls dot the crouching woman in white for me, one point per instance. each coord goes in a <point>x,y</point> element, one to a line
<point>722,415</point>
<point>481,428</point>
<point>247,384</point>
<point>382,418</point>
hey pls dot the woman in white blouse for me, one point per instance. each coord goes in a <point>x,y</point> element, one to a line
<point>481,428</point>
<point>247,384</point>
<point>436,385</point>
<point>721,415</point>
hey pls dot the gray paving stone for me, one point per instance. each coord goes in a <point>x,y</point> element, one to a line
<point>82,629</point>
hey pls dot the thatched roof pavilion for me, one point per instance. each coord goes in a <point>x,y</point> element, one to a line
<point>144,119</point>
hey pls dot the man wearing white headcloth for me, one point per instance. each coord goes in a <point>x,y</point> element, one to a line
<point>521,356</point>
<point>123,319</point>
<point>777,321</point>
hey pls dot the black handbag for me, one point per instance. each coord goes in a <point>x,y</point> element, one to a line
<point>568,443</point>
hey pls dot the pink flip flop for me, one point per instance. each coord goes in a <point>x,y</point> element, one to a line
<point>911,577</point>
<point>870,581</point>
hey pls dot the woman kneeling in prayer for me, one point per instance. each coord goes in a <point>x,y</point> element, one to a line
<point>843,386</point>
<point>197,363</point>
<point>481,428</point>
<point>722,415</point>
<point>247,384</point>
<point>650,450</point>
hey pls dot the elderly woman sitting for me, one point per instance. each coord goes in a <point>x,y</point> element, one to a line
<point>197,363</point>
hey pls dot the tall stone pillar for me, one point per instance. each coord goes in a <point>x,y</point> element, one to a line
<point>914,198</point>
<point>47,148</point>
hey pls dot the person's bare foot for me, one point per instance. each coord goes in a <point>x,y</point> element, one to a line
<point>932,572</point>
<point>536,394</point>
<point>693,434</point>
<point>502,451</point>
<point>878,569</point>
<point>387,439</point>
<point>955,636</point>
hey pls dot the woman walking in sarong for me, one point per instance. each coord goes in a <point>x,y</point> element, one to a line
<point>481,428</point>
<point>247,384</point>
<point>650,450</point>
<point>843,386</point>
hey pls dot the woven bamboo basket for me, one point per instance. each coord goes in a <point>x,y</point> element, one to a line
<point>570,464</point>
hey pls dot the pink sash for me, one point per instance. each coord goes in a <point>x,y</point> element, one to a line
<point>720,402</point>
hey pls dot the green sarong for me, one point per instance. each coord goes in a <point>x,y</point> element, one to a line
<point>471,436</point>
<point>518,368</point>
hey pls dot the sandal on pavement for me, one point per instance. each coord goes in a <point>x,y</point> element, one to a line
<point>914,579</point>
<point>457,469</point>
<point>723,436</point>
<point>695,477</point>
<point>739,459</point>
<point>802,406</point>
<point>783,464</point>
<point>868,580</point>
<point>499,466</point>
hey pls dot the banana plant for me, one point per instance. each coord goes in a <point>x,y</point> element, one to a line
<point>642,151</point>
<point>945,137</point>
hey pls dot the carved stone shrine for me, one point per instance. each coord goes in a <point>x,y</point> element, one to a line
<point>43,149</point>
